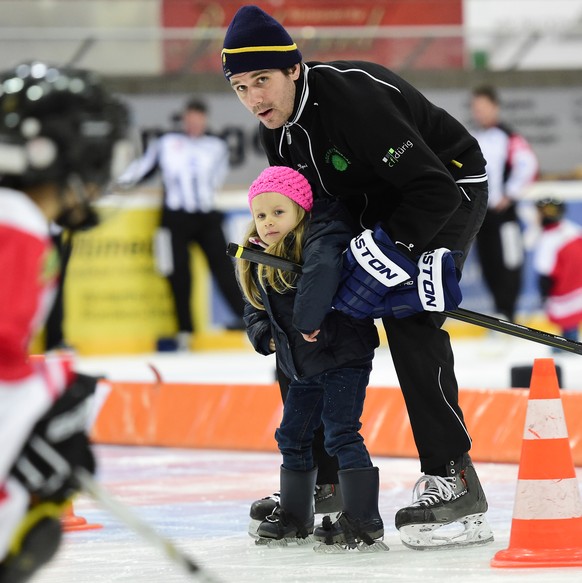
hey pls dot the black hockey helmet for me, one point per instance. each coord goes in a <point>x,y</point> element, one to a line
<point>59,123</point>
<point>551,210</point>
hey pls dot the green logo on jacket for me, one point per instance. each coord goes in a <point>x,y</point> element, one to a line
<point>337,160</point>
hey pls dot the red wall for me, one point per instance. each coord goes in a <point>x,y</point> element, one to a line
<point>396,53</point>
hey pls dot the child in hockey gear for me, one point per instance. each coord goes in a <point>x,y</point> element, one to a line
<point>558,263</point>
<point>455,497</point>
<point>398,162</point>
<point>290,315</point>
<point>45,468</point>
<point>62,137</point>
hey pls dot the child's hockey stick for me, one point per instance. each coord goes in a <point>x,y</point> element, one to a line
<point>124,514</point>
<point>461,314</point>
<point>256,256</point>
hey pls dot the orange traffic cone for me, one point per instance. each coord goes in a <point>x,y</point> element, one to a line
<point>546,530</point>
<point>70,521</point>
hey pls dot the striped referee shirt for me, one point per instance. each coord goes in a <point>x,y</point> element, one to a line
<point>193,169</point>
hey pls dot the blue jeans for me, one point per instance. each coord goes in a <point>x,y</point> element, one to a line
<point>336,398</point>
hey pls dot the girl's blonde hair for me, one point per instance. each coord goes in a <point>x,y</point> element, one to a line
<point>290,247</point>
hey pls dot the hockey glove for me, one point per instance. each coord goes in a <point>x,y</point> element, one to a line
<point>372,266</point>
<point>58,444</point>
<point>436,288</point>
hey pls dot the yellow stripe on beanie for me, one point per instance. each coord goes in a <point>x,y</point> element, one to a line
<point>260,49</point>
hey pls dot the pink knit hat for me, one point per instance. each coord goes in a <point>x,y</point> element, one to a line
<point>285,181</point>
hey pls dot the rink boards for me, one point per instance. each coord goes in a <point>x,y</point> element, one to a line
<point>245,416</point>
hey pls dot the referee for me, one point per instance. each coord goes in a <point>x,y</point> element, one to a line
<point>193,166</point>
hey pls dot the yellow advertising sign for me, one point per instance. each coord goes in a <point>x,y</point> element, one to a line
<point>115,301</point>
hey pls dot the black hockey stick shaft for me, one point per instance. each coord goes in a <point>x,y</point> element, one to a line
<point>255,256</point>
<point>513,329</point>
<point>127,517</point>
<point>475,318</point>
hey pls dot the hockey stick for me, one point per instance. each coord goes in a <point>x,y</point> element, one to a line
<point>255,256</point>
<point>141,528</point>
<point>461,314</point>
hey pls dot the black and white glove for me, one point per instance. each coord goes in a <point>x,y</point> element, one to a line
<point>372,266</point>
<point>58,445</point>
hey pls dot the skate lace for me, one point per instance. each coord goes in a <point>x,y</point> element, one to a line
<point>436,489</point>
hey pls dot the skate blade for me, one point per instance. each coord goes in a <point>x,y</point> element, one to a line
<point>254,528</point>
<point>423,537</point>
<point>273,543</point>
<point>337,548</point>
<point>377,547</point>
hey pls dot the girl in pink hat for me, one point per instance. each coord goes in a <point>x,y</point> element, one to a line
<point>326,354</point>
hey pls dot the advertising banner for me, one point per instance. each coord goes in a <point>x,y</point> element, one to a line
<point>310,24</point>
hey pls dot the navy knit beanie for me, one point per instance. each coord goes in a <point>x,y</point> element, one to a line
<point>254,41</point>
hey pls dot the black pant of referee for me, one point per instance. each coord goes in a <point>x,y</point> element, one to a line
<point>206,230</point>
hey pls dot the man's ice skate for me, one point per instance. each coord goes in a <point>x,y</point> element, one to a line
<point>359,526</point>
<point>448,512</point>
<point>327,499</point>
<point>260,509</point>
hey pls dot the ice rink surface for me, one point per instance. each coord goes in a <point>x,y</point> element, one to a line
<point>200,499</point>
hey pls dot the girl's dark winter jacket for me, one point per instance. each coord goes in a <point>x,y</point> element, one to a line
<point>342,341</point>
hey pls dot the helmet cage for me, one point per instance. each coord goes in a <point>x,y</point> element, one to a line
<point>551,210</point>
<point>57,122</point>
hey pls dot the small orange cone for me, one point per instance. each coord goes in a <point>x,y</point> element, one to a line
<point>546,529</point>
<point>70,521</point>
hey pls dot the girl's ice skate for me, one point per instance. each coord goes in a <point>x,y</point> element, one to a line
<point>292,519</point>
<point>327,499</point>
<point>281,528</point>
<point>359,526</point>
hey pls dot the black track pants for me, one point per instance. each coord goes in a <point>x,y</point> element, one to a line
<point>205,229</point>
<point>423,356</point>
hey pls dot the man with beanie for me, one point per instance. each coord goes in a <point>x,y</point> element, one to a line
<point>410,171</point>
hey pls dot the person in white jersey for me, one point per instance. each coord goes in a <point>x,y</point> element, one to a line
<point>511,166</point>
<point>193,166</point>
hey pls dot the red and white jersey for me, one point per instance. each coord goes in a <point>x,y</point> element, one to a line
<point>29,269</point>
<point>558,255</point>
